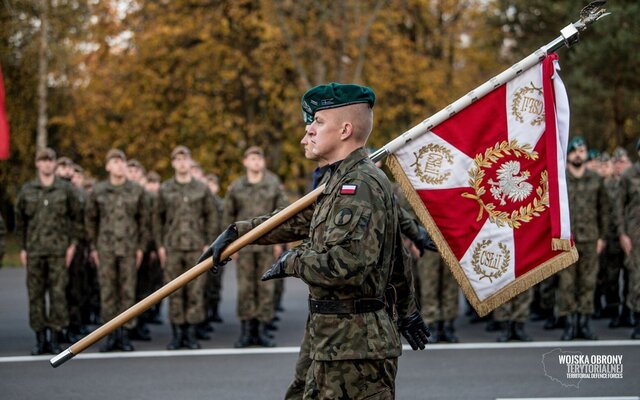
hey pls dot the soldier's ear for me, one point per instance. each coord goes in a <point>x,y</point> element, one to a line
<point>347,131</point>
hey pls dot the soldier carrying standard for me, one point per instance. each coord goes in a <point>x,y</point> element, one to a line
<point>349,256</point>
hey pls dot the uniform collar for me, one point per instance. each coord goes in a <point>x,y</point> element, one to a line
<point>345,166</point>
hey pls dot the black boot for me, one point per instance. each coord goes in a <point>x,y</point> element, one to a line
<point>507,330</point>
<point>569,332</point>
<point>518,332</point>
<point>201,331</point>
<point>636,332</point>
<point>449,332</point>
<point>214,314</point>
<point>140,332</point>
<point>245,336</point>
<point>263,339</point>
<point>190,340</point>
<point>54,342</point>
<point>125,343</point>
<point>41,343</point>
<point>553,323</point>
<point>584,330</point>
<point>176,339</point>
<point>109,344</point>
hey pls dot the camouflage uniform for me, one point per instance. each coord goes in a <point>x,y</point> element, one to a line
<point>3,232</point>
<point>351,245</point>
<point>589,205</point>
<point>243,201</point>
<point>439,297</point>
<point>78,289</point>
<point>516,309</point>
<point>47,224</point>
<point>185,217</point>
<point>628,216</point>
<point>116,226</point>
<point>213,290</point>
<point>611,260</point>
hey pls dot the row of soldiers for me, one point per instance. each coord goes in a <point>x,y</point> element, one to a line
<point>99,248</point>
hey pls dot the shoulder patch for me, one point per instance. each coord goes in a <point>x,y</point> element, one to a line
<point>348,189</point>
<point>343,217</point>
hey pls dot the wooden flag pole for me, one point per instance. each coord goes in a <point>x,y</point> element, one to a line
<point>185,278</point>
<point>569,36</point>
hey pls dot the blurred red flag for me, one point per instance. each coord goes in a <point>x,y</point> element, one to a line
<point>4,124</point>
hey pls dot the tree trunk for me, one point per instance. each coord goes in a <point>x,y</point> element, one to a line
<point>43,66</point>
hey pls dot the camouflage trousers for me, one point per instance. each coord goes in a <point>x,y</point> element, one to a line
<point>608,282</point>
<point>633,266</point>
<point>255,298</point>
<point>438,289</point>
<point>547,292</point>
<point>577,283</point>
<point>117,278</point>
<point>516,309</point>
<point>47,274</point>
<point>213,291</point>
<point>296,388</point>
<point>78,285</point>
<point>186,305</point>
<point>278,291</point>
<point>351,379</point>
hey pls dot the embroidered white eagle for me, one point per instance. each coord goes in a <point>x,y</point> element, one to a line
<point>510,185</point>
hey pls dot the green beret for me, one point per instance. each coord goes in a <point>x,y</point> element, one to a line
<point>576,142</point>
<point>593,154</point>
<point>334,95</point>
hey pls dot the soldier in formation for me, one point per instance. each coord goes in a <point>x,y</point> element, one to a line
<point>47,225</point>
<point>117,230</point>
<point>257,193</point>
<point>185,216</point>
<point>589,205</point>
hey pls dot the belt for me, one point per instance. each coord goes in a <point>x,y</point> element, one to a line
<point>351,306</point>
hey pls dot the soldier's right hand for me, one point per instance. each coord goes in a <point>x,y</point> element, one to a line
<point>626,244</point>
<point>217,247</point>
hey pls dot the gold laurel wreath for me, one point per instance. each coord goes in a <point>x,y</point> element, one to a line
<point>436,148</point>
<point>475,261</point>
<point>476,175</point>
<point>517,98</point>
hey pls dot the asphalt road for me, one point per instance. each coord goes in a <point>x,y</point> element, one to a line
<point>476,368</point>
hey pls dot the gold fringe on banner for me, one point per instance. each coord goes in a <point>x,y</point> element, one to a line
<point>560,244</point>
<point>514,288</point>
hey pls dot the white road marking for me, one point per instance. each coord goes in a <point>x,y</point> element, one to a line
<point>295,350</point>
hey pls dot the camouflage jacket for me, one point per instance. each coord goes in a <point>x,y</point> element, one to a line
<point>116,218</point>
<point>612,186</point>
<point>628,204</point>
<point>351,250</point>
<point>186,216</point>
<point>589,206</point>
<point>48,217</point>
<point>245,200</point>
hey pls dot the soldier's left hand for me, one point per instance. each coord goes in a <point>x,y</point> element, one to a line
<point>71,251</point>
<point>424,241</point>
<point>139,255</point>
<point>414,330</point>
<point>282,268</point>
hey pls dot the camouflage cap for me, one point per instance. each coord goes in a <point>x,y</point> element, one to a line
<point>64,162</point>
<point>78,169</point>
<point>604,157</point>
<point>334,95</point>
<point>577,141</point>
<point>253,150</point>
<point>153,177</point>
<point>134,163</point>
<point>184,150</point>
<point>115,153</point>
<point>619,152</point>
<point>46,153</point>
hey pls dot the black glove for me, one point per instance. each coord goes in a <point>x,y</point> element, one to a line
<point>279,268</point>
<point>414,330</point>
<point>424,242</point>
<point>215,249</point>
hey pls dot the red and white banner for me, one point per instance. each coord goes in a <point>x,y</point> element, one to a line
<point>489,186</point>
<point>4,124</point>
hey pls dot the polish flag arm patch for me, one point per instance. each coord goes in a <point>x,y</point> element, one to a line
<point>348,189</point>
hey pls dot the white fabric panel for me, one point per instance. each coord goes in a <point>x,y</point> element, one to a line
<point>456,171</point>
<point>562,116</point>
<point>482,285</point>
<point>529,107</point>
